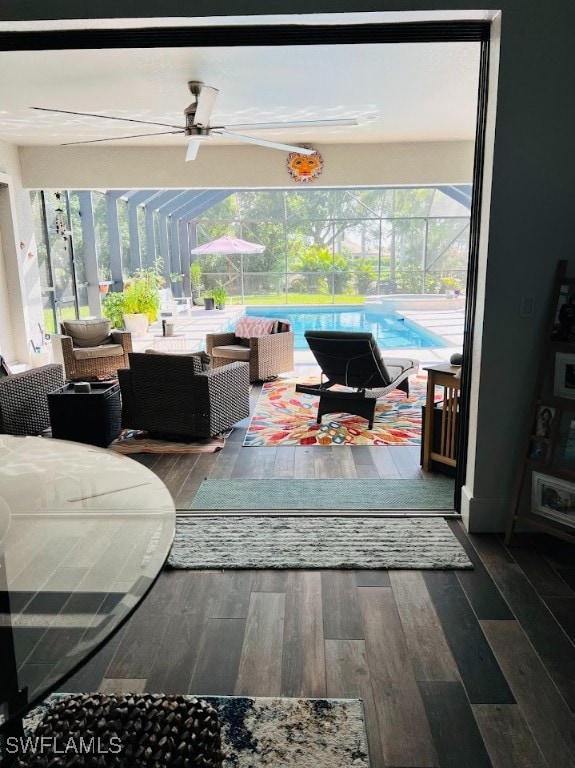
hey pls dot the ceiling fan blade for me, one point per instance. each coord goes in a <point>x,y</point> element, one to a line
<point>264,142</point>
<point>291,124</point>
<point>206,100</point>
<point>192,151</point>
<point>120,138</point>
<point>105,117</point>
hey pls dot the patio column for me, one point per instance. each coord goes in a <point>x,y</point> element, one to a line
<point>150,236</point>
<point>114,242</point>
<point>135,259</point>
<point>89,253</point>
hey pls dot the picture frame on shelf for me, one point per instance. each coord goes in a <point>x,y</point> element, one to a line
<point>539,450</point>
<point>564,320</point>
<point>564,452</point>
<point>544,417</point>
<point>553,498</point>
<point>564,382</point>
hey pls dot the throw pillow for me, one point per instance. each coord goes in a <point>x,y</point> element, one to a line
<point>87,333</point>
<point>247,327</point>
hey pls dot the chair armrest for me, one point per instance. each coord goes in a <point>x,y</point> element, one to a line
<point>124,338</point>
<point>267,345</point>
<point>62,348</point>
<point>218,339</point>
<point>223,395</point>
<point>45,378</point>
<point>226,371</point>
<point>24,399</point>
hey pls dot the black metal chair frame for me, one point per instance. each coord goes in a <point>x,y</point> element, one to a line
<point>365,371</point>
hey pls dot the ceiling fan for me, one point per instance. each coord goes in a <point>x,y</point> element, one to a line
<point>198,128</point>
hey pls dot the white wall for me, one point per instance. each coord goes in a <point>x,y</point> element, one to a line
<point>246,167</point>
<point>20,296</point>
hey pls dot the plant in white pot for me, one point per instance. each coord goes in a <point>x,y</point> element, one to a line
<point>139,304</point>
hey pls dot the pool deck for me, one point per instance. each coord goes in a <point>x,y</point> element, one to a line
<point>192,332</point>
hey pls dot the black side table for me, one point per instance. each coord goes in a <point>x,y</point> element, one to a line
<point>86,417</point>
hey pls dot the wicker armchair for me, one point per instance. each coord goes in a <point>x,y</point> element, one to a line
<point>88,350</point>
<point>267,355</point>
<point>24,401</point>
<point>171,395</point>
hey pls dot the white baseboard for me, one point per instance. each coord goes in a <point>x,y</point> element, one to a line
<point>488,515</point>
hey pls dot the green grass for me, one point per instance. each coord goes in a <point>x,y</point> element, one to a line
<point>67,313</point>
<point>300,298</point>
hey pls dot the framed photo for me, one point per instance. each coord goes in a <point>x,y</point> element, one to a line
<point>539,450</point>
<point>564,453</point>
<point>564,384</point>
<point>553,498</point>
<point>543,421</point>
<point>564,321</point>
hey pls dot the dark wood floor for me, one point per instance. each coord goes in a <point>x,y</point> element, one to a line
<point>183,473</point>
<point>456,669</point>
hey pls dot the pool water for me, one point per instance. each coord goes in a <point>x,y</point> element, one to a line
<point>391,330</point>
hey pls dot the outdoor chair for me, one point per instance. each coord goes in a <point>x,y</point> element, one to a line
<point>24,401</point>
<point>175,396</point>
<point>88,349</point>
<point>353,360</point>
<point>174,306</point>
<point>265,343</point>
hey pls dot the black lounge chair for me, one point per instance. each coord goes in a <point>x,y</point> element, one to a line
<point>353,360</point>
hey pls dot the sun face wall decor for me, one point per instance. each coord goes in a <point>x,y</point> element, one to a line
<point>304,167</point>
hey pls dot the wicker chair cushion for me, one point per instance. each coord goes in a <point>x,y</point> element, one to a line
<point>204,358</point>
<point>232,352</point>
<point>136,730</point>
<point>250,327</point>
<point>87,333</point>
<point>104,350</point>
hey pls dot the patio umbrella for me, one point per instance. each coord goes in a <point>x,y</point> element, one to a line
<point>228,246</point>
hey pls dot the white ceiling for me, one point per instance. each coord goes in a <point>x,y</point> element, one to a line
<point>398,92</point>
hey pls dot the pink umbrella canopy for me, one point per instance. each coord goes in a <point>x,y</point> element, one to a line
<point>229,244</point>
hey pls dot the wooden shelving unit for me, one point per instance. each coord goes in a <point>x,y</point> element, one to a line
<point>544,494</point>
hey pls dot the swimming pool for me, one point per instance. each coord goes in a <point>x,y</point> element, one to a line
<point>391,330</point>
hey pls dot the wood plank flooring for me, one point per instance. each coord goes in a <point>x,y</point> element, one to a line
<point>183,473</point>
<point>456,669</point>
<point>451,675</point>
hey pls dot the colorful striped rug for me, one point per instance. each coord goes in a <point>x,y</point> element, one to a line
<point>286,417</point>
<point>136,441</point>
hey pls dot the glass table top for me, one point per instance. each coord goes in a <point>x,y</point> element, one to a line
<point>83,534</point>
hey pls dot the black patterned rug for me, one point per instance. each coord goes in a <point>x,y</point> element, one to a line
<point>277,733</point>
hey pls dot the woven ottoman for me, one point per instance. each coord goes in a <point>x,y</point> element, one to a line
<point>86,417</point>
<point>127,731</point>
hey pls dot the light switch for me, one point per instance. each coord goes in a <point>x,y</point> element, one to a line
<point>527,306</point>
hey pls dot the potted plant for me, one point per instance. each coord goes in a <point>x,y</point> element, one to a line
<point>209,302</point>
<point>113,308</point>
<point>142,297</point>
<point>451,286</point>
<point>104,282</point>
<point>138,304</point>
<point>220,296</point>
